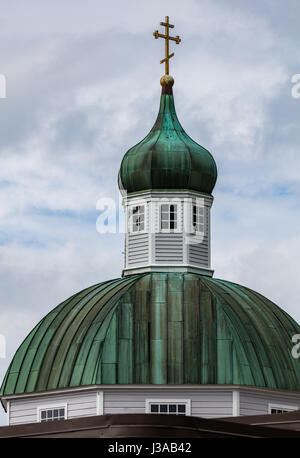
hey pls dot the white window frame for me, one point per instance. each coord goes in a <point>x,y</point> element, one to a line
<point>198,227</point>
<point>187,403</point>
<point>131,214</point>
<point>281,407</point>
<point>61,405</point>
<point>176,219</point>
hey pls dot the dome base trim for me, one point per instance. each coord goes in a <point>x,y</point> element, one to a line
<point>165,192</point>
<point>165,269</point>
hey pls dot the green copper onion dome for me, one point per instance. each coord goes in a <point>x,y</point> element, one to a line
<point>158,328</point>
<point>167,158</point>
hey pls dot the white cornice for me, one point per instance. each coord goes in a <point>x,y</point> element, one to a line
<point>158,194</point>
<point>159,268</point>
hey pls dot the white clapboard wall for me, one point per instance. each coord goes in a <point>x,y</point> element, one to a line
<point>153,247</point>
<point>205,402</point>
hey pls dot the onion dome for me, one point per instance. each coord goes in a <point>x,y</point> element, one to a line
<point>167,158</point>
<point>158,328</point>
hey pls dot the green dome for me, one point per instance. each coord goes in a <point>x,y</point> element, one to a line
<point>167,158</point>
<point>158,328</point>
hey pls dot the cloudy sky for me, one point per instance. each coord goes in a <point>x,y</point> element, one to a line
<point>82,86</point>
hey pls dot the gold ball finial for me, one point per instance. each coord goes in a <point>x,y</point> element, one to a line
<point>167,80</point>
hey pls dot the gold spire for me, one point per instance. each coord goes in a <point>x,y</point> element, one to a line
<point>167,38</point>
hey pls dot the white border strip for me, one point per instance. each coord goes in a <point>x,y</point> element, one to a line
<point>99,402</point>
<point>235,403</point>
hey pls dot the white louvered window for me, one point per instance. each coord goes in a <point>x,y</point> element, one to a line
<point>169,406</point>
<point>198,218</point>
<point>138,218</point>
<point>168,217</point>
<point>52,414</point>
<point>279,408</point>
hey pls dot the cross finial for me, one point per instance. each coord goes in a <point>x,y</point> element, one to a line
<point>167,38</point>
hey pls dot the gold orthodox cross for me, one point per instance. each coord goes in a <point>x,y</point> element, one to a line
<point>167,38</point>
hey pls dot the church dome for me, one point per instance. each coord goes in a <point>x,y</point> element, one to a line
<point>158,328</point>
<point>167,158</point>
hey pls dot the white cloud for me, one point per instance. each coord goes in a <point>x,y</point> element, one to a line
<point>269,268</point>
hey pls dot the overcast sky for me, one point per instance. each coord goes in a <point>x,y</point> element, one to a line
<point>83,87</point>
